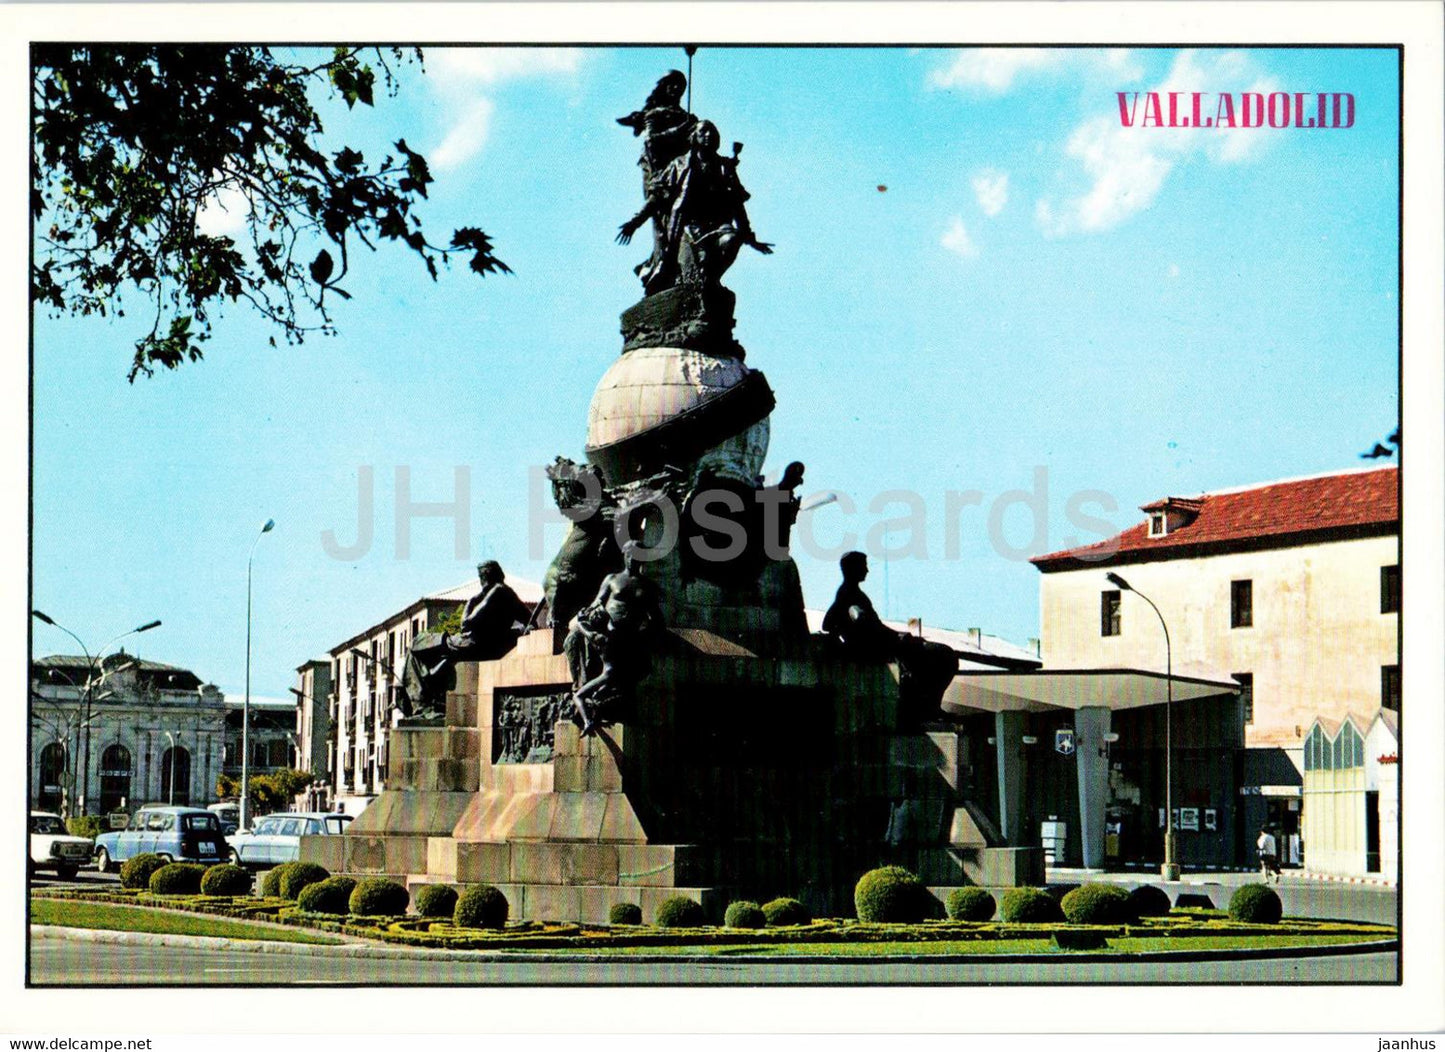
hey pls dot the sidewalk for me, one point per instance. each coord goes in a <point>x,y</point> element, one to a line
<point>1232,878</point>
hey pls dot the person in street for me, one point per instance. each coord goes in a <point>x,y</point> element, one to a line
<point>1268,855</point>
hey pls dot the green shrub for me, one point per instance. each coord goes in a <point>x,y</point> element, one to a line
<point>1098,904</point>
<point>1029,906</point>
<point>624,913</point>
<point>298,876</point>
<point>135,872</point>
<point>891,894</point>
<point>271,882</point>
<point>1150,900</point>
<point>332,895</point>
<point>177,878</point>
<point>1075,939</point>
<point>745,914</point>
<point>681,912</point>
<point>481,906</point>
<point>1255,904</point>
<point>226,879</point>
<point>378,897</point>
<point>970,904</point>
<point>435,900</point>
<point>784,912</point>
<point>85,825</point>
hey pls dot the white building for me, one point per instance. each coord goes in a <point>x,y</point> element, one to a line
<point>1292,588</point>
<point>144,733</point>
<point>315,749</point>
<point>365,674</point>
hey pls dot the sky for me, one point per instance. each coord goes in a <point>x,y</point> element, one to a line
<point>983,283</point>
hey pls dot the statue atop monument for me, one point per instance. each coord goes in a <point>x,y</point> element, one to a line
<point>693,195</point>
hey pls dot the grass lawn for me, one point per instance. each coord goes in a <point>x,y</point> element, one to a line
<point>70,913</point>
<point>983,948</point>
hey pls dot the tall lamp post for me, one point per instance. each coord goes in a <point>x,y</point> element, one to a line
<point>246,705</point>
<point>92,682</point>
<point>1170,869</point>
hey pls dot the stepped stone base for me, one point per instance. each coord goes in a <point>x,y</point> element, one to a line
<point>733,775</point>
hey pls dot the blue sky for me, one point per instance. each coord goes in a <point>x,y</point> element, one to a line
<point>1038,294</point>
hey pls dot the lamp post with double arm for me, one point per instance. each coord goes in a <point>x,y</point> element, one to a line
<point>95,673</point>
<point>1170,869</point>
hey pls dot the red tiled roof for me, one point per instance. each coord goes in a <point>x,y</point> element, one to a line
<point>1274,510</point>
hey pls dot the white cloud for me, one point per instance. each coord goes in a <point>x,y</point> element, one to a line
<point>223,214</point>
<point>474,66</point>
<point>462,75</point>
<point>995,69</point>
<point>1127,167</point>
<point>957,241</point>
<point>992,67</point>
<point>467,136</point>
<point>991,190</point>
<point>1173,270</point>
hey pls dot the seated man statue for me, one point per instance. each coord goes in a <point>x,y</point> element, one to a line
<point>925,668</point>
<point>609,645</point>
<point>491,622</point>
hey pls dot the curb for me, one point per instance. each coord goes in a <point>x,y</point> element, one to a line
<point>207,942</point>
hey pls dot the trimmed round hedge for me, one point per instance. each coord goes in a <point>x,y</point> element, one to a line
<point>177,878</point>
<point>970,904</point>
<point>226,879</point>
<point>745,914</point>
<point>481,906</point>
<point>624,913</point>
<point>298,876</point>
<point>1255,904</point>
<point>378,897</point>
<point>136,871</point>
<point>271,882</point>
<point>891,894</point>
<point>681,912</point>
<point>1150,900</point>
<point>1097,904</point>
<point>1029,906</point>
<point>435,900</point>
<point>332,895</point>
<point>786,912</point>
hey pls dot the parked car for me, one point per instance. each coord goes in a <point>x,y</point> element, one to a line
<point>277,838</point>
<point>179,834</point>
<point>51,847</point>
<point>229,815</point>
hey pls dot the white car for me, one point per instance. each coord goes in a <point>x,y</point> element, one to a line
<point>277,838</point>
<point>51,847</point>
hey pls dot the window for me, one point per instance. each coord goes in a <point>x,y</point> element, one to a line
<point>1246,694</point>
<point>201,822</point>
<point>1109,605</point>
<point>1158,524</point>
<point>52,775</point>
<point>176,776</point>
<point>1241,604</point>
<point>115,769</point>
<point>1390,589</point>
<point>1390,687</point>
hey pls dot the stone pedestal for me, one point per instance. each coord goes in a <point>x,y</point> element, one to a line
<point>732,776</point>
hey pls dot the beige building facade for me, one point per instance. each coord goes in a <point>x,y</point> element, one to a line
<point>1291,588</point>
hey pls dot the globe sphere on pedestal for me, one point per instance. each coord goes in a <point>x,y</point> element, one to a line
<point>662,407</point>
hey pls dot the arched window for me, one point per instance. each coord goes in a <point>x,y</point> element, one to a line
<point>115,771</point>
<point>52,777</point>
<point>176,771</point>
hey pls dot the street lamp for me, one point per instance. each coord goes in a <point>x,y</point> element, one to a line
<point>1170,869</point>
<point>246,705</point>
<point>171,738</point>
<point>92,681</point>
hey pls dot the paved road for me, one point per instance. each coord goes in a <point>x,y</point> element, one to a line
<point>60,961</point>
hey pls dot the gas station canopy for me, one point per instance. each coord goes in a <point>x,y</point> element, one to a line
<point>1041,691</point>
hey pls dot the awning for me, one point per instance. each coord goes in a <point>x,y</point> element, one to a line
<point>1045,690</point>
